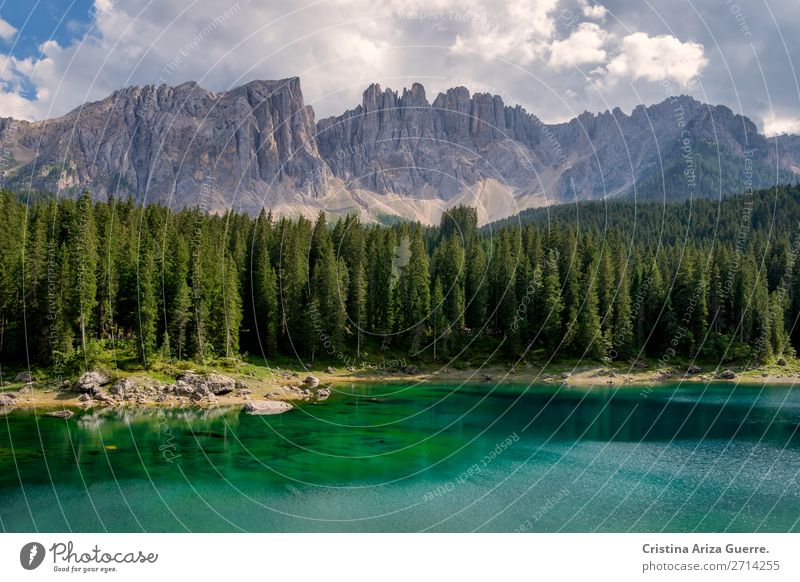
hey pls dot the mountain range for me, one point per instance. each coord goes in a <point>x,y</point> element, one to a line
<point>396,155</point>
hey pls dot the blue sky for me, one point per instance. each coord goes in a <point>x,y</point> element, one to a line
<point>557,58</point>
<point>41,20</point>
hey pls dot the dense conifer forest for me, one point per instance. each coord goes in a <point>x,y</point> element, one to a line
<point>606,281</point>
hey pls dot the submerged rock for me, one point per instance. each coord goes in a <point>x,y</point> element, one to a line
<point>311,381</point>
<point>266,407</point>
<point>66,414</point>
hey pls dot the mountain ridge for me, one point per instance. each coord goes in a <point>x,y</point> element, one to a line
<point>396,153</point>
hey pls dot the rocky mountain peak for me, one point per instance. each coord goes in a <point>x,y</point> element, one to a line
<point>258,145</point>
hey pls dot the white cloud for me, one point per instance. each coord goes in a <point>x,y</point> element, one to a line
<point>657,58</point>
<point>778,125</point>
<point>594,11</point>
<point>516,30</point>
<point>340,46</point>
<point>584,46</point>
<point>7,31</point>
<point>217,43</point>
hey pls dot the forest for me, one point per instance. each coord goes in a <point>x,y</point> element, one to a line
<point>603,281</point>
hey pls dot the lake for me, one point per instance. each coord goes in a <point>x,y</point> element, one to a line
<point>408,457</point>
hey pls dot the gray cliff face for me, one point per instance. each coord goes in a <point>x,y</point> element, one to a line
<point>400,143</point>
<point>183,146</point>
<point>259,145</point>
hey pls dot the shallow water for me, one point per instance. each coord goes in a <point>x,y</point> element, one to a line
<point>402,457</point>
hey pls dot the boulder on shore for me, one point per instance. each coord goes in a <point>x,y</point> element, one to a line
<point>216,384</point>
<point>693,369</point>
<point>103,397</point>
<point>311,382</point>
<point>410,369</point>
<point>6,400</point>
<point>265,407</point>
<point>181,388</point>
<point>90,382</point>
<point>122,387</point>
<point>23,377</point>
<point>728,375</point>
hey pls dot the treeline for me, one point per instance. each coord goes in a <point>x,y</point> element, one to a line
<point>714,280</point>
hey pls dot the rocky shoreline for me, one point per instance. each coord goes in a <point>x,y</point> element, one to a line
<point>97,388</point>
<point>274,395</point>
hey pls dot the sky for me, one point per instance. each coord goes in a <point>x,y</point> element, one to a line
<point>556,58</point>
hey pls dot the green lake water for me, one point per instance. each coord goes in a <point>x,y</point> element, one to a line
<point>401,457</point>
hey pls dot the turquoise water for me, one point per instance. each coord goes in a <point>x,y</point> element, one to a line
<point>418,457</point>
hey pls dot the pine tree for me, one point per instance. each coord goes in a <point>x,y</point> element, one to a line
<point>381,280</point>
<point>179,299</point>
<point>264,299</point>
<point>476,285</point>
<point>504,291</point>
<point>11,254</point>
<point>438,318</point>
<point>84,255</point>
<point>622,327</point>
<point>232,302</point>
<point>36,271</point>
<point>200,279</point>
<point>588,338</point>
<point>107,279</point>
<point>549,304</point>
<point>148,306</point>
<point>353,248</point>
<point>327,296</point>
<point>414,292</point>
